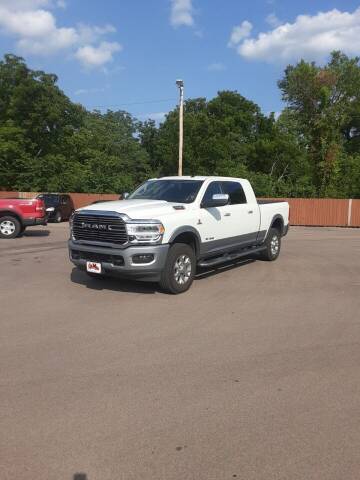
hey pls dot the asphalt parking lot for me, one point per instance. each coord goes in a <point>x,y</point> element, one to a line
<point>253,374</point>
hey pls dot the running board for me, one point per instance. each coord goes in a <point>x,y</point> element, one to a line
<point>228,257</point>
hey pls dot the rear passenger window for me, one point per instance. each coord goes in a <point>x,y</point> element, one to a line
<point>235,192</point>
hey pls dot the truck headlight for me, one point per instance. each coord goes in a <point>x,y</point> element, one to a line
<point>50,209</point>
<point>150,232</point>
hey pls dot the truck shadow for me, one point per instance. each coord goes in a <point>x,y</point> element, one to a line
<point>132,286</point>
<point>203,272</point>
<point>36,233</point>
<point>112,283</point>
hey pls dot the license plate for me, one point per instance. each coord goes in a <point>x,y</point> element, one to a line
<point>93,267</point>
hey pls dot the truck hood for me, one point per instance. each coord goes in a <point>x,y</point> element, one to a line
<point>137,209</point>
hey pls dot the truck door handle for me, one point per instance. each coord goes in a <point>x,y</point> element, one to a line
<point>250,211</point>
<point>227,214</point>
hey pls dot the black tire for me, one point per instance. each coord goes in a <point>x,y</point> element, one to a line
<point>179,270</point>
<point>273,246</point>
<point>22,230</point>
<point>58,217</point>
<point>10,227</point>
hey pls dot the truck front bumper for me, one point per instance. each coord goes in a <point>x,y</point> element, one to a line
<point>122,262</point>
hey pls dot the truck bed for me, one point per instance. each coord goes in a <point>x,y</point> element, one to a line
<point>264,201</point>
<point>270,209</point>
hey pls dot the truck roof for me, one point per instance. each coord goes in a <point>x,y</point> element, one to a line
<point>50,193</point>
<point>197,177</point>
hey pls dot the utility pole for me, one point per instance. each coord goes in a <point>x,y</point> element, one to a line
<point>180,84</point>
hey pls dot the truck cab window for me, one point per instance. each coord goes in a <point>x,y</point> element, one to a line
<point>235,192</point>
<point>213,189</point>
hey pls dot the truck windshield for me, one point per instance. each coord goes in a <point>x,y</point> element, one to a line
<point>182,191</point>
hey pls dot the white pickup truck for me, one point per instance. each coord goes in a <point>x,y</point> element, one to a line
<point>169,226</point>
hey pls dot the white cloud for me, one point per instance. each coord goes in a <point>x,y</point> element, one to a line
<point>273,20</point>
<point>216,67</point>
<point>32,23</point>
<point>35,30</point>
<point>32,4</point>
<point>309,37</point>
<point>182,13</point>
<point>91,34</point>
<point>25,4</point>
<point>91,56</point>
<point>239,33</point>
<point>56,40</point>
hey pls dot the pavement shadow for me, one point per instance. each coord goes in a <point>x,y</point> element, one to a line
<point>225,267</point>
<point>112,283</point>
<point>127,285</point>
<point>80,476</point>
<point>36,233</point>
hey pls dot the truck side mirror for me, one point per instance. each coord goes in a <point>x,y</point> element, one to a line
<point>125,195</point>
<point>217,200</point>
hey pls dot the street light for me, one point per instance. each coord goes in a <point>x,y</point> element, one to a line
<point>180,84</point>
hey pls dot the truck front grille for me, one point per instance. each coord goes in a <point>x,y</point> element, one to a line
<point>108,228</point>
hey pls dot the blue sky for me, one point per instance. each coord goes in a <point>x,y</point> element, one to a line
<point>127,54</point>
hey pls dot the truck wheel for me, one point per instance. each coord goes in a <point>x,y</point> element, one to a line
<point>9,227</point>
<point>273,246</point>
<point>58,217</point>
<point>179,270</point>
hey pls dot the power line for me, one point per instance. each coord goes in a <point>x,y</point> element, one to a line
<point>135,103</point>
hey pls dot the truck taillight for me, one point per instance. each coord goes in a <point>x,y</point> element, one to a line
<point>39,205</point>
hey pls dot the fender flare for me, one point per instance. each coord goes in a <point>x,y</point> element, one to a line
<point>12,213</point>
<point>187,229</point>
<point>278,216</point>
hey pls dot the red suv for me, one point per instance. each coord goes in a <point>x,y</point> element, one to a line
<point>18,213</point>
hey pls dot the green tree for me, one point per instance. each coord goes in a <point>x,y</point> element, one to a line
<point>325,101</point>
<point>48,142</point>
<point>13,155</point>
<point>108,151</point>
<point>148,134</point>
<point>228,135</point>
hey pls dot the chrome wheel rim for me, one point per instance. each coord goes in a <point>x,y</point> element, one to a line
<point>182,269</point>
<point>7,227</point>
<point>274,245</point>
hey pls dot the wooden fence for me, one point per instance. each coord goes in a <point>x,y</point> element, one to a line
<point>324,212</point>
<point>79,199</point>
<point>303,211</point>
